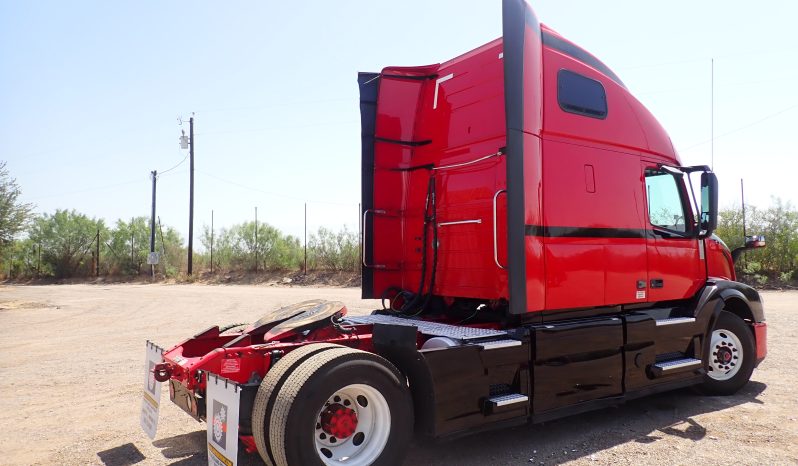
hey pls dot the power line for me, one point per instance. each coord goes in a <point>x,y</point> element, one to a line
<point>279,128</point>
<point>97,188</point>
<point>295,198</point>
<point>753,123</point>
<point>180,163</point>
<point>279,104</point>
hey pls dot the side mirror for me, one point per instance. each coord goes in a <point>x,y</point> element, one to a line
<point>753,242</point>
<point>709,203</point>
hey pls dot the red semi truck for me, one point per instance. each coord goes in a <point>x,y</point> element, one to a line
<point>539,250</point>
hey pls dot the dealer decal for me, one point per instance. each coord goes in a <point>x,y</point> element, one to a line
<point>231,365</point>
<point>223,398</point>
<point>151,393</point>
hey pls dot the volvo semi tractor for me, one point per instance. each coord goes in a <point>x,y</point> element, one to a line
<point>539,250</point>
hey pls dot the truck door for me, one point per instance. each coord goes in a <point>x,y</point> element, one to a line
<point>675,262</point>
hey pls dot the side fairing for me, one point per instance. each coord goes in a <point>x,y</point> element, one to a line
<point>523,83</point>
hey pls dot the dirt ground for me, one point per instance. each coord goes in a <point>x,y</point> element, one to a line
<point>72,362</point>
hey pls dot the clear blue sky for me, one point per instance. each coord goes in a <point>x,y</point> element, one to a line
<point>90,93</point>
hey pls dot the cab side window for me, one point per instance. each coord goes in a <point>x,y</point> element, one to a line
<point>581,95</point>
<point>665,206</point>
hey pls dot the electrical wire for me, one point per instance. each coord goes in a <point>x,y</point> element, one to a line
<point>753,123</point>
<point>273,193</point>
<point>279,128</point>
<point>97,188</point>
<point>179,163</point>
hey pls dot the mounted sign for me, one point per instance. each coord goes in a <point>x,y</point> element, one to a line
<point>153,258</point>
<point>222,402</point>
<point>151,397</point>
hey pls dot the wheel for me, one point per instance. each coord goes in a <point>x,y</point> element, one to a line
<point>731,356</point>
<point>271,384</point>
<point>231,328</point>
<point>342,407</point>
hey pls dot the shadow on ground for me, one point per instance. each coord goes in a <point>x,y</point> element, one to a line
<point>646,420</point>
<point>191,450</point>
<point>122,455</point>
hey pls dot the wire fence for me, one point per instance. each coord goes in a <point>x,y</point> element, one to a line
<point>68,244</point>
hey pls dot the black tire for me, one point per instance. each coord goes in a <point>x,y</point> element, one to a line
<point>271,384</point>
<point>743,357</point>
<point>295,419</point>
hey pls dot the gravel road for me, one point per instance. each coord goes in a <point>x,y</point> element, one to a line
<point>71,370</point>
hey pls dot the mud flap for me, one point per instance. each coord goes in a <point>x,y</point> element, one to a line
<point>151,395</point>
<point>223,399</point>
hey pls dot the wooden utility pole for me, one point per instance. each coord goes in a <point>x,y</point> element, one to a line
<point>305,268</point>
<point>211,240</point>
<point>191,196</point>
<point>256,239</point>
<point>152,221</point>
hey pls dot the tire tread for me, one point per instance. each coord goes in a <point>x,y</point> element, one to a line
<point>273,381</point>
<point>284,399</point>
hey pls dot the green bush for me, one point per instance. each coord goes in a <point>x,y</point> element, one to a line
<point>67,240</point>
<point>779,225</point>
<point>329,250</point>
<point>236,248</point>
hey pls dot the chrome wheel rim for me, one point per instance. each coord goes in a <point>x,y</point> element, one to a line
<point>725,355</point>
<point>360,414</point>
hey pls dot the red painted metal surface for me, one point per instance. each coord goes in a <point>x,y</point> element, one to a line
<point>719,261</point>
<point>761,335</point>
<point>580,173</point>
<point>249,443</point>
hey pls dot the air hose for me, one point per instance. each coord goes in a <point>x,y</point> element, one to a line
<point>430,201</point>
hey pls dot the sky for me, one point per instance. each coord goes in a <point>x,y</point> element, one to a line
<point>91,94</point>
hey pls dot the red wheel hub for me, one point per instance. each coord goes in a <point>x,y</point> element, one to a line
<point>724,355</point>
<point>339,421</point>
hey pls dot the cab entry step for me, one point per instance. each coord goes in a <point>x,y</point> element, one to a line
<point>504,402</point>
<point>675,321</point>
<point>673,366</point>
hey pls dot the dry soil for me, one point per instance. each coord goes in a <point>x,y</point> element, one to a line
<point>72,362</point>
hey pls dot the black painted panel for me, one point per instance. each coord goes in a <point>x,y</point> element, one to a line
<point>577,361</point>
<point>462,378</point>
<point>639,350</point>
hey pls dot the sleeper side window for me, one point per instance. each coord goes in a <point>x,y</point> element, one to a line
<point>581,95</point>
<point>665,206</point>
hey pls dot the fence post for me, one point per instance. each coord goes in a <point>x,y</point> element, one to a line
<point>97,270</point>
<point>132,242</point>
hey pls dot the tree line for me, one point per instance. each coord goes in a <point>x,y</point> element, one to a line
<point>68,243</point>
<point>777,263</point>
<point>65,244</point>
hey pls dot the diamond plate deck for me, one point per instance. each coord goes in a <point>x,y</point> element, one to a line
<point>430,328</point>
